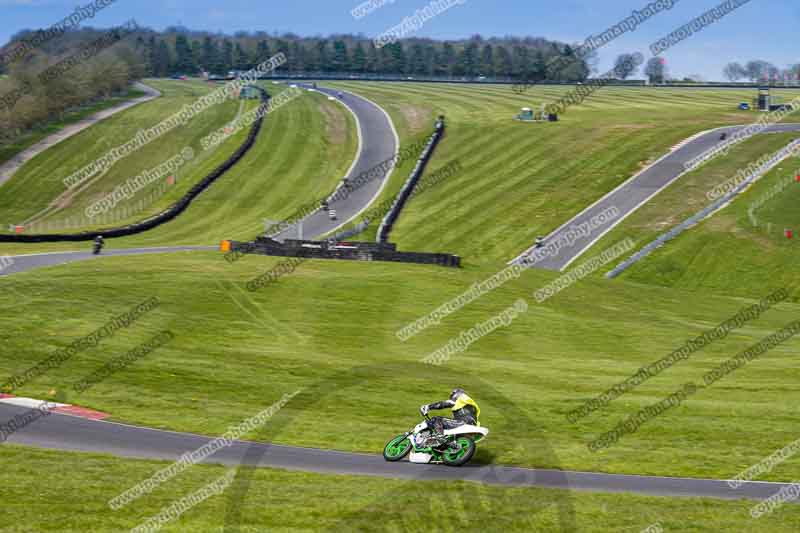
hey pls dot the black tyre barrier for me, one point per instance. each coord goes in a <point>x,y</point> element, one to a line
<point>165,216</point>
<point>408,187</point>
<point>353,251</point>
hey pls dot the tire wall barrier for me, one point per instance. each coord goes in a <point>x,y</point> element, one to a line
<point>165,216</point>
<point>408,187</point>
<point>356,251</point>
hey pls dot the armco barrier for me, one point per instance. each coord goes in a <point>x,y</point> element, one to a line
<point>353,251</point>
<point>165,216</point>
<point>408,187</point>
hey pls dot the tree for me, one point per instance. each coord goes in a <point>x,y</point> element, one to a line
<point>469,59</point>
<point>152,56</point>
<point>773,72</point>
<point>399,63</point>
<point>487,60</point>
<point>197,53</point>
<point>262,52</point>
<point>184,60</point>
<point>430,59</point>
<point>240,59</point>
<point>299,60</point>
<point>385,60</point>
<point>283,47</point>
<point>211,57</point>
<point>416,60</point>
<point>502,62</point>
<point>522,63</point>
<point>162,60</point>
<point>734,71</point>
<point>576,70</point>
<point>341,59</point>
<point>322,56</point>
<point>625,66</point>
<point>793,72</point>
<point>359,63</point>
<point>656,70</point>
<point>227,56</point>
<point>757,69</point>
<point>448,59</point>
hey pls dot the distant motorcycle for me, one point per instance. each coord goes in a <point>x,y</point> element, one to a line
<point>98,246</point>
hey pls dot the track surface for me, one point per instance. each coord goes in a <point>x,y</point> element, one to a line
<point>65,432</point>
<point>378,142</point>
<point>636,192</point>
<point>23,263</point>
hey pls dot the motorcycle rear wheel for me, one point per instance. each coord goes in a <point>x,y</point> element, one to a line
<point>397,448</point>
<point>463,455</point>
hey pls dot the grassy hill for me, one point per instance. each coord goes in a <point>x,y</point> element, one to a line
<point>20,143</point>
<point>725,253</point>
<point>303,150</point>
<point>521,180</point>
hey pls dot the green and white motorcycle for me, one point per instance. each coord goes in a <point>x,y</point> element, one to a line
<point>455,448</point>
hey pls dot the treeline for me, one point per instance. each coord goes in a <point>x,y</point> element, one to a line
<point>760,70</point>
<point>179,51</point>
<point>31,95</point>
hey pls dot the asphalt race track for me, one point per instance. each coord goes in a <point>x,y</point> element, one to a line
<point>23,263</point>
<point>634,193</point>
<point>64,432</point>
<point>378,142</point>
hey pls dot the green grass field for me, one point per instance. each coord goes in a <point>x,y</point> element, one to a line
<point>79,485</point>
<point>329,328</point>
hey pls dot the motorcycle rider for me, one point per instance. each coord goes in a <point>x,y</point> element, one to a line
<point>98,244</point>
<point>464,409</point>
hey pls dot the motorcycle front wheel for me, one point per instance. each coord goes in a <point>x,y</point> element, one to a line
<point>397,448</point>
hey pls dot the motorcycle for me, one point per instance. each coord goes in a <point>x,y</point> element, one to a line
<point>455,448</point>
<point>97,247</point>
